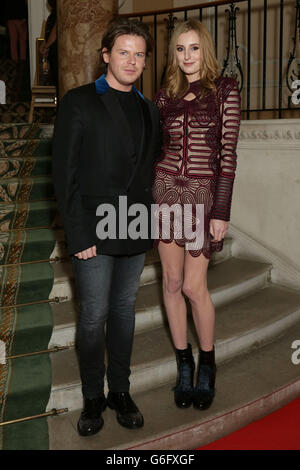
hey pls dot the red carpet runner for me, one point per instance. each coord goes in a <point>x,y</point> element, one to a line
<point>277,431</point>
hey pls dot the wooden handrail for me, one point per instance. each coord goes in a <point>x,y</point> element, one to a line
<point>178,9</point>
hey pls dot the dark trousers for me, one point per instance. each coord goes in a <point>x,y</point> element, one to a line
<point>18,36</point>
<point>106,291</point>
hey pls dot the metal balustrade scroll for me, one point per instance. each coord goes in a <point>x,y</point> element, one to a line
<point>171,20</point>
<point>232,65</point>
<point>293,68</point>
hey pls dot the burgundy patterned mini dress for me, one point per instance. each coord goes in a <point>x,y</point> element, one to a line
<point>198,159</point>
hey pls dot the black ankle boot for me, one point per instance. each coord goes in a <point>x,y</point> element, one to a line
<point>204,391</point>
<point>183,391</point>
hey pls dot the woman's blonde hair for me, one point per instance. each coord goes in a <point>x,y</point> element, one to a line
<point>176,83</point>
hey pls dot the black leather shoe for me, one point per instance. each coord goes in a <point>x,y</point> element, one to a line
<point>91,421</point>
<point>128,414</point>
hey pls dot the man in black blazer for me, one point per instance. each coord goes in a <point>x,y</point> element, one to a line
<point>106,140</point>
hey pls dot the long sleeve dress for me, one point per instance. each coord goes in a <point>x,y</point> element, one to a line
<point>198,159</point>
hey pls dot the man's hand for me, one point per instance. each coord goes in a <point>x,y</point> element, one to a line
<point>218,229</point>
<point>86,254</point>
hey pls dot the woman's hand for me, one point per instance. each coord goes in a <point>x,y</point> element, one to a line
<point>218,229</point>
<point>86,254</point>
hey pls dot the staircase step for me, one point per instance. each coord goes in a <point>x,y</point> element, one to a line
<point>23,148</point>
<point>241,325</point>
<point>227,281</point>
<point>25,283</point>
<point>63,275</point>
<point>33,328</point>
<point>153,361</point>
<point>27,215</point>
<point>41,116</point>
<point>26,189</point>
<point>25,131</point>
<point>248,387</point>
<point>27,245</point>
<point>61,252</point>
<point>8,117</point>
<point>16,112</point>
<point>64,279</point>
<point>21,167</point>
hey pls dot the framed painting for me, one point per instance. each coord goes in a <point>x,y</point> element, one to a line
<point>42,65</point>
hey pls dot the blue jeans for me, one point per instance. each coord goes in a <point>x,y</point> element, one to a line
<point>106,294</point>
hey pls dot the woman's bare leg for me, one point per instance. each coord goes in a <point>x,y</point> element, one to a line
<point>172,260</point>
<point>195,288</point>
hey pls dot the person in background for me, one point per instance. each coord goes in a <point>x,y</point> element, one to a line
<point>49,47</point>
<point>16,15</point>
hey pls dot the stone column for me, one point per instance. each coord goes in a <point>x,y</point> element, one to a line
<point>81,24</point>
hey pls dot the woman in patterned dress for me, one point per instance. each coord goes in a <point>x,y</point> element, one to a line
<point>200,118</point>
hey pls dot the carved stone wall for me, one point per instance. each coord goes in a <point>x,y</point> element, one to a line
<point>81,24</point>
<point>267,187</point>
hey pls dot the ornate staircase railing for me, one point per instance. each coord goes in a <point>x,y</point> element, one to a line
<point>252,42</point>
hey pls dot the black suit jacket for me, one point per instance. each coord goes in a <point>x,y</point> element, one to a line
<point>92,164</point>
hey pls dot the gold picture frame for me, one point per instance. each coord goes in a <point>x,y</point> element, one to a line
<point>42,66</point>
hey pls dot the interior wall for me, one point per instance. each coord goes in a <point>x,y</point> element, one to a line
<point>37,13</point>
<point>125,6</point>
<point>267,186</point>
<point>150,5</point>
